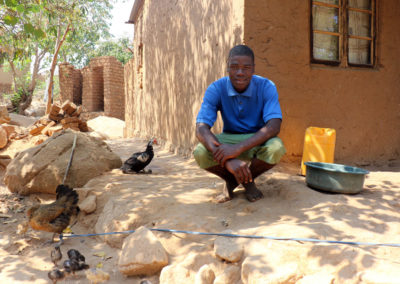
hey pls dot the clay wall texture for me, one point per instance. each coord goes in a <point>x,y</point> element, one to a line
<point>6,81</point>
<point>5,77</point>
<point>362,104</point>
<point>184,45</point>
<point>181,47</point>
<point>129,81</point>
<point>5,88</point>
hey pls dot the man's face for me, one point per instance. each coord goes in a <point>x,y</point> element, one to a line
<point>241,69</point>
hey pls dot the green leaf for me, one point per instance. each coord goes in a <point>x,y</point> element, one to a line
<point>11,3</point>
<point>20,8</point>
<point>35,8</point>
<point>28,28</point>
<point>39,33</point>
<point>18,53</point>
<point>10,20</point>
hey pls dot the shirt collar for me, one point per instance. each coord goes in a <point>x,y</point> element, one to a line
<point>232,92</point>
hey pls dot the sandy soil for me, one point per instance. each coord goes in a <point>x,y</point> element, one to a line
<point>178,195</point>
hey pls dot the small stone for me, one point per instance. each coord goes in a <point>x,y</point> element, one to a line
<point>88,205</point>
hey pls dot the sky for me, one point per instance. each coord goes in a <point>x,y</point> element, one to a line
<point>121,12</point>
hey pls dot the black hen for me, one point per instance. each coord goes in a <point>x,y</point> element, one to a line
<point>138,161</point>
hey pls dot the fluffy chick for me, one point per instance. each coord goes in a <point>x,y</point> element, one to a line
<point>56,216</point>
<point>56,255</point>
<point>71,266</point>
<point>56,275</point>
<point>76,255</point>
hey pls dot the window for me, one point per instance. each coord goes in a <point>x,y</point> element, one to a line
<point>343,32</point>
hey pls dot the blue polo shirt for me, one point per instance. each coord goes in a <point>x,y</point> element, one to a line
<point>245,112</point>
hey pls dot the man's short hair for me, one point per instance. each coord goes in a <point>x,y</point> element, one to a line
<point>241,50</point>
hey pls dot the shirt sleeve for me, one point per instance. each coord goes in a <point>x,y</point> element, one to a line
<point>209,107</point>
<point>272,108</point>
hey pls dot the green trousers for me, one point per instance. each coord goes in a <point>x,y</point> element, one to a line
<point>270,152</point>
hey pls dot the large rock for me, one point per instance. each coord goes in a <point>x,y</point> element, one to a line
<point>107,127</point>
<point>142,254</point>
<point>230,275</point>
<point>40,169</point>
<point>187,270</point>
<point>228,248</point>
<point>205,275</point>
<point>22,120</point>
<point>3,137</point>
<point>320,278</point>
<point>114,218</point>
<point>176,274</point>
<point>256,269</point>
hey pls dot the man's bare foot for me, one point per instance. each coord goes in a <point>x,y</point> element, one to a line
<point>252,192</point>
<point>221,198</point>
<point>227,193</point>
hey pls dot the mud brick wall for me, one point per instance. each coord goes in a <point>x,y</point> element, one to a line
<point>97,87</point>
<point>103,86</point>
<point>70,83</point>
<point>5,88</point>
<point>129,81</point>
<point>92,89</point>
<point>77,79</point>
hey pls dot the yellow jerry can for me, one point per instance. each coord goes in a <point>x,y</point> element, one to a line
<point>319,146</point>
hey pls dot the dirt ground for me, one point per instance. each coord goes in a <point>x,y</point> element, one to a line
<point>178,195</point>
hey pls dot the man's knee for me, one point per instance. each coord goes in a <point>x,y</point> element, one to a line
<point>203,157</point>
<point>272,151</point>
<point>199,152</point>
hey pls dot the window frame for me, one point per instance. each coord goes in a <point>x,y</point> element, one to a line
<point>343,34</point>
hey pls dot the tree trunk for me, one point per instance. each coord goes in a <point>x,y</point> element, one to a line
<point>24,104</point>
<point>53,68</point>
<point>14,74</point>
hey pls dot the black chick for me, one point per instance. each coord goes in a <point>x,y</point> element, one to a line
<point>75,262</point>
<point>75,255</point>
<point>56,275</point>
<point>138,161</point>
<point>71,266</point>
<point>56,255</point>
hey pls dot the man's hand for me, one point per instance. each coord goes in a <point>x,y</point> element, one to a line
<point>240,170</point>
<point>225,152</point>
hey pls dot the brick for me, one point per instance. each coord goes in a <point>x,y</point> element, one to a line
<point>69,120</point>
<point>74,125</point>
<point>44,120</point>
<point>54,129</point>
<point>77,112</point>
<point>46,129</point>
<point>56,118</point>
<point>36,130</point>
<point>83,126</point>
<point>68,107</point>
<point>55,109</point>
<point>4,120</point>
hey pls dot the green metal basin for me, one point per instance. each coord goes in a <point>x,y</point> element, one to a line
<point>335,177</point>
